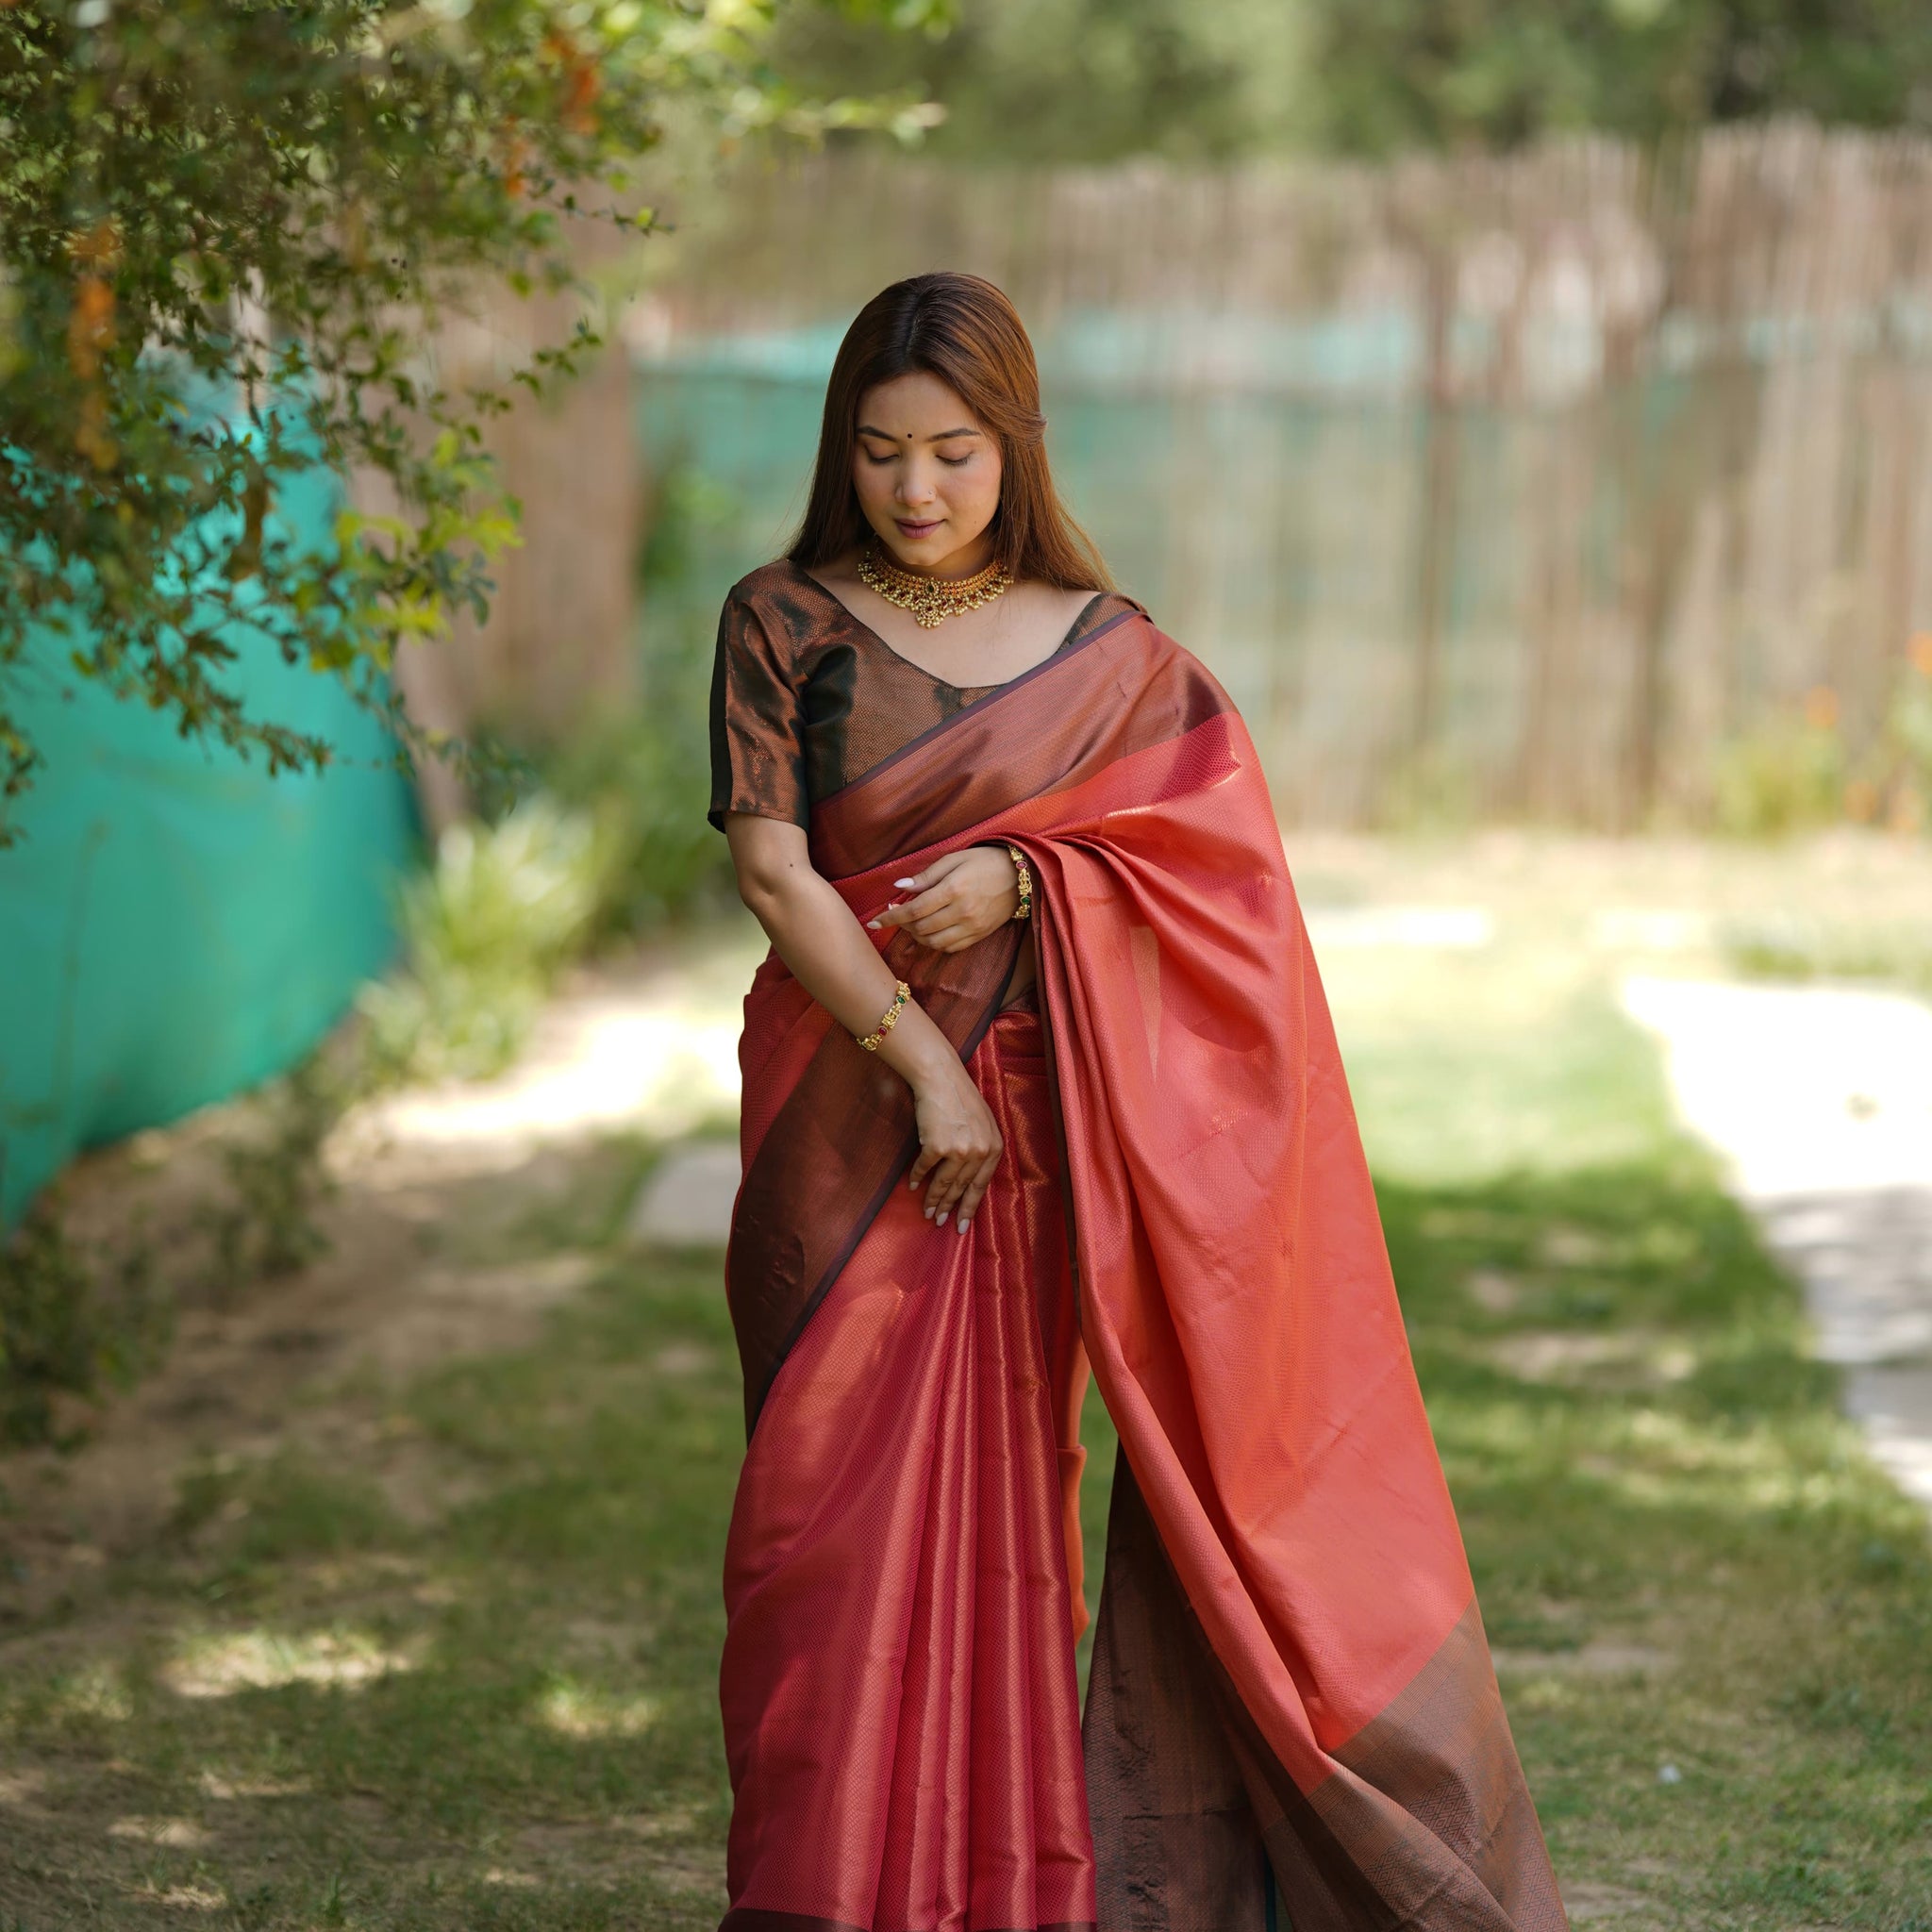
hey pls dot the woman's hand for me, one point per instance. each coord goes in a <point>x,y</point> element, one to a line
<point>959,898</point>
<point>959,1145</point>
<point>815,934</point>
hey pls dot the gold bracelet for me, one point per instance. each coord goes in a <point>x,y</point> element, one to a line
<point>901,994</point>
<point>1025,908</point>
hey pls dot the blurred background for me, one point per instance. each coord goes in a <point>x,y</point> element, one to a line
<point>1527,413</point>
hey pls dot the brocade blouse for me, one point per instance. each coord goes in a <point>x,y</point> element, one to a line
<point>806,697</point>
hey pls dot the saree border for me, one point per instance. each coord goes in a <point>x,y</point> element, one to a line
<point>862,1223</point>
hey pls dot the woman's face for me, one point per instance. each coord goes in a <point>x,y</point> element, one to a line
<point>926,473</point>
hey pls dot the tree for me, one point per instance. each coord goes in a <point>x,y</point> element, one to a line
<point>1096,81</point>
<point>1081,80</point>
<point>1396,74</point>
<point>228,228</point>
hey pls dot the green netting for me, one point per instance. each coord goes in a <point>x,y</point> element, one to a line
<point>174,925</point>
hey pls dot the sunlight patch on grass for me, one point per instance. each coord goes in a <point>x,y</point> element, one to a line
<point>184,1898</point>
<point>575,1709</point>
<point>213,1785</point>
<point>183,1833</point>
<point>221,1665</point>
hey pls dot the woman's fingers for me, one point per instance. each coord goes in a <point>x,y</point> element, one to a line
<point>947,863</point>
<point>929,1158</point>
<point>975,1188</point>
<point>970,890</point>
<point>943,1190</point>
<point>909,912</point>
<point>959,1181</point>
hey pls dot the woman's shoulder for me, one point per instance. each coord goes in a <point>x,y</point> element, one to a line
<point>771,584</point>
<point>1105,606</point>
<point>779,610</point>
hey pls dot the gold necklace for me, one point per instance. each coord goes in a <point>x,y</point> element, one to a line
<point>931,600</point>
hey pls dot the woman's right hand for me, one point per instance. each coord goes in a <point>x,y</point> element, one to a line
<point>820,939</point>
<point>959,1145</point>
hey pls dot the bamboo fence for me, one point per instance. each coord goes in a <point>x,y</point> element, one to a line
<point>1531,481</point>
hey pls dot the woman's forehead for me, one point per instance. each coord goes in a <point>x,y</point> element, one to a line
<point>917,407</point>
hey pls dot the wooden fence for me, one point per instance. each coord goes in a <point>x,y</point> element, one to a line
<point>1533,482</point>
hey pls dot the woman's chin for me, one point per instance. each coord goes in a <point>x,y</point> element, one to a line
<point>924,549</point>
<point>940,550</point>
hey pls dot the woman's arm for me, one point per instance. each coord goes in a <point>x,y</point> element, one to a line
<point>821,940</point>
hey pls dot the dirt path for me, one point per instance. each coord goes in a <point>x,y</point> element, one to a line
<point>455,1218</point>
<point>1820,1098</point>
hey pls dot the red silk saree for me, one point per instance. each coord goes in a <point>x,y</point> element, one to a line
<point>1291,1717</point>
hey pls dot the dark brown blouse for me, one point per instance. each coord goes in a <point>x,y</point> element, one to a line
<point>806,697</point>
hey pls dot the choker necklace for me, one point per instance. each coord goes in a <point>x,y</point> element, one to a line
<point>931,600</point>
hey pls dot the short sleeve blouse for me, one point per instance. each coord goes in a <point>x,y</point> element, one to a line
<point>806,697</point>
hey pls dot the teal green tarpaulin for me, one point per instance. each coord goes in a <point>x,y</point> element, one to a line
<point>174,924</point>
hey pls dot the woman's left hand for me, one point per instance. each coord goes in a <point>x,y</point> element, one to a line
<point>959,898</point>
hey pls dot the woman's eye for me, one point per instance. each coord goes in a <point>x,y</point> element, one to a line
<point>876,461</point>
<point>954,462</point>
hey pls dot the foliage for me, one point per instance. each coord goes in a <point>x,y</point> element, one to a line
<point>266,1227</point>
<point>229,229</point>
<point>1094,80</point>
<point>1081,80</point>
<point>71,1323</point>
<point>1897,786</point>
<point>1785,774</point>
<point>1396,74</point>
<point>643,773</point>
<point>485,931</point>
<point>1790,947</point>
<point>82,1318</point>
<point>1793,770</point>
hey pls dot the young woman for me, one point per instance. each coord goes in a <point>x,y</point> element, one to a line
<point>1039,1074</point>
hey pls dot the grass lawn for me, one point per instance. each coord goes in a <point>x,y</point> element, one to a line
<point>460,1672</point>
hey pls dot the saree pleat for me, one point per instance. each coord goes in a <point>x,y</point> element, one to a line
<point>1293,1716</point>
<point>898,1686</point>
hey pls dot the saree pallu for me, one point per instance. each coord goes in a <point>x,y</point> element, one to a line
<point>1292,1717</point>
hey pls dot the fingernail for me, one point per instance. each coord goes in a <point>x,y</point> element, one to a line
<point>964,1226</point>
<point>902,883</point>
<point>872,926</point>
<point>944,1212</point>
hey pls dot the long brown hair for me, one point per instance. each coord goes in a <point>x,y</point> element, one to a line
<point>963,330</point>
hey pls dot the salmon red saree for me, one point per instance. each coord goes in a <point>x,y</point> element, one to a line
<point>1292,1717</point>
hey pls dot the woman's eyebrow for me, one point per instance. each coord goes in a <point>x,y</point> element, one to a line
<point>887,436</point>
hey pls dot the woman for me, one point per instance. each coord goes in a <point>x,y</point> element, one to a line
<point>1039,1072</point>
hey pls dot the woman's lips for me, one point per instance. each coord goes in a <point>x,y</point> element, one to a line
<point>908,527</point>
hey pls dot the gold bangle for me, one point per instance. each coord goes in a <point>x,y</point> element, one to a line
<point>1025,908</point>
<point>901,994</point>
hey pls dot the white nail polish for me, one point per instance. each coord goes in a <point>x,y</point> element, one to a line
<point>944,1212</point>
<point>872,926</point>
<point>964,1226</point>
<point>902,884</point>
